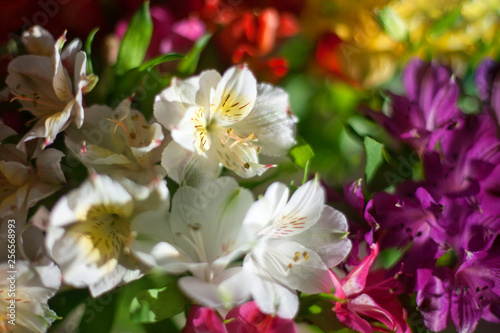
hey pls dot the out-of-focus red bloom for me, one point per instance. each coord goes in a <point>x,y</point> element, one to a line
<point>251,37</point>
<point>329,57</point>
<point>255,34</point>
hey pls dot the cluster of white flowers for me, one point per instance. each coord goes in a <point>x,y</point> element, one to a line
<point>119,223</point>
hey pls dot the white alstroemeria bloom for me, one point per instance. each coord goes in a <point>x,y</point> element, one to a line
<point>227,120</point>
<point>43,85</point>
<point>89,234</point>
<point>23,184</point>
<point>35,285</point>
<point>202,235</point>
<point>296,242</point>
<point>119,143</point>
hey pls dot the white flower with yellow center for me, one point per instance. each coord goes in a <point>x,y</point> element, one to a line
<point>119,143</point>
<point>227,120</point>
<point>89,234</point>
<point>293,245</point>
<point>44,87</point>
<point>201,235</point>
<point>34,286</point>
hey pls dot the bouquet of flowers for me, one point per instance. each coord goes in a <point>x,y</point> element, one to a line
<point>233,167</point>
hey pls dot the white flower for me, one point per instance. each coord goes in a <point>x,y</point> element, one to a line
<point>88,234</point>
<point>202,235</point>
<point>23,184</point>
<point>34,286</point>
<point>118,143</point>
<point>227,120</point>
<point>295,244</point>
<point>43,85</point>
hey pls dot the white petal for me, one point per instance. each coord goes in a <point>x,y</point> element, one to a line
<point>264,211</point>
<point>301,212</point>
<point>38,41</point>
<point>270,121</point>
<point>152,242</point>
<point>235,96</point>
<point>191,132</point>
<point>48,166</point>
<point>184,165</point>
<point>241,159</point>
<point>226,290</point>
<point>80,71</point>
<point>208,83</point>
<point>211,217</point>
<point>171,104</point>
<point>31,76</point>
<point>291,264</point>
<point>6,131</point>
<point>273,298</point>
<point>117,277</point>
<point>61,81</point>
<point>328,237</point>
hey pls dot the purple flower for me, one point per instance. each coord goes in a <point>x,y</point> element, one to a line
<point>169,34</point>
<point>467,287</point>
<point>411,223</point>
<point>429,107</point>
<point>487,80</point>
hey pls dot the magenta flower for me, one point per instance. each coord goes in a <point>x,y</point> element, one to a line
<point>357,300</point>
<point>246,318</point>
<point>488,84</point>
<point>466,156</point>
<point>169,34</point>
<point>428,108</point>
<point>203,320</point>
<point>409,225</point>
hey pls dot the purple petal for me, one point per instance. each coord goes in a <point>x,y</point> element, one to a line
<point>484,77</point>
<point>433,302</point>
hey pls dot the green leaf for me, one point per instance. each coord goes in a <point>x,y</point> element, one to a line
<point>153,305</point>
<point>188,66</point>
<point>374,156</point>
<point>160,60</point>
<point>99,313</point>
<point>389,257</point>
<point>88,49</point>
<point>393,24</point>
<point>448,259</point>
<point>135,43</point>
<point>301,154</point>
<point>446,22</point>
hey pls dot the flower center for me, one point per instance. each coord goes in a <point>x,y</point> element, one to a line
<point>102,235</point>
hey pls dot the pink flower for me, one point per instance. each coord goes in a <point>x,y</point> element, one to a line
<point>169,34</point>
<point>356,300</point>
<point>246,318</point>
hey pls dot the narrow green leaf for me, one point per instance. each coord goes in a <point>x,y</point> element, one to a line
<point>153,305</point>
<point>389,257</point>
<point>446,22</point>
<point>135,43</point>
<point>160,60</point>
<point>374,157</point>
<point>88,49</point>
<point>188,66</point>
<point>301,154</point>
